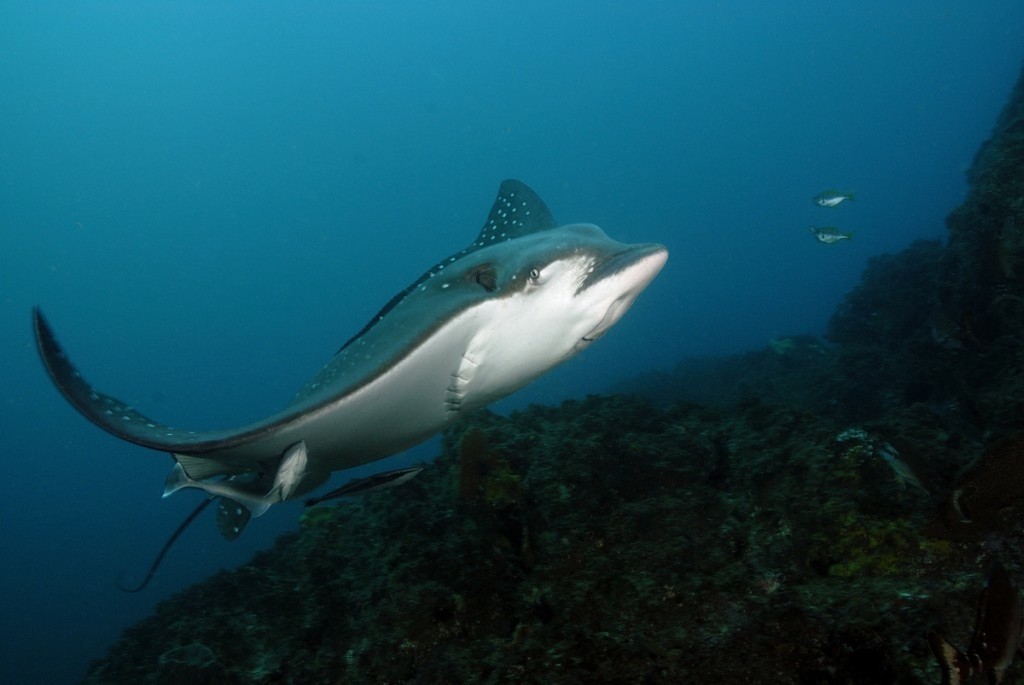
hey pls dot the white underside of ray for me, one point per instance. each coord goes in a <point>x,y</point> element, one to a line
<point>415,398</point>
<point>481,354</point>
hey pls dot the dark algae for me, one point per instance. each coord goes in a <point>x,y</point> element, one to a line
<point>806,513</point>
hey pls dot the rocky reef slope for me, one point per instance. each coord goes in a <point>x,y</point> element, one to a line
<point>800,514</point>
<point>600,541</point>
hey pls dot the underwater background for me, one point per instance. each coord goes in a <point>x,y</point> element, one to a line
<point>207,199</point>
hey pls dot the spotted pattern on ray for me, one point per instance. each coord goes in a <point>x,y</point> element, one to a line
<point>517,211</point>
<point>104,410</point>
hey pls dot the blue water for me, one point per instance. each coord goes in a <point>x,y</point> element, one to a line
<point>208,198</point>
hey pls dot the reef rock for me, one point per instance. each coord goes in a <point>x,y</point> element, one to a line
<point>600,541</point>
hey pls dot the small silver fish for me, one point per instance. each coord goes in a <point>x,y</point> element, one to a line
<point>829,234</point>
<point>832,198</point>
<point>904,474</point>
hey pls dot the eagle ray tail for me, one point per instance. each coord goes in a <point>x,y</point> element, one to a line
<point>163,551</point>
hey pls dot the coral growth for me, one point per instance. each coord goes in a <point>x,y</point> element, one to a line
<point>687,544</point>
